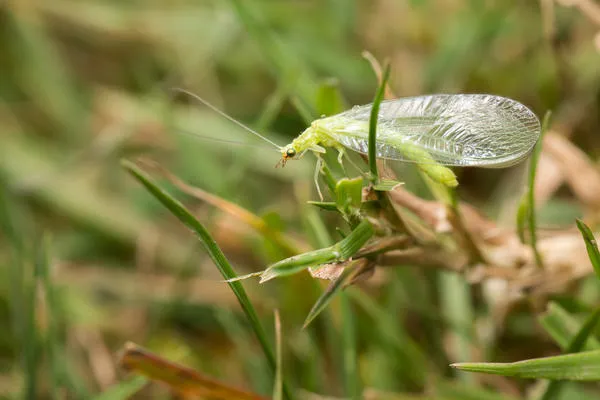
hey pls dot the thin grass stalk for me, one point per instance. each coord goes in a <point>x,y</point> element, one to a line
<point>531,192</point>
<point>456,305</point>
<point>590,245</point>
<point>353,385</point>
<point>324,300</point>
<point>278,388</point>
<point>322,238</point>
<point>216,254</point>
<point>52,342</point>
<point>373,124</point>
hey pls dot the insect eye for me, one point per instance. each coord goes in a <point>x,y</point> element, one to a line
<point>290,152</point>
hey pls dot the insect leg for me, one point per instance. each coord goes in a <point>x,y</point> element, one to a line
<point>354,164</point>
<point>340,158</point>
<point>342,153</point>
<point>316,176</point>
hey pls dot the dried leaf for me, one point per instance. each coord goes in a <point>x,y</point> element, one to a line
<point>580,173</point>
<point>329,271</point>
<point>181,379</point>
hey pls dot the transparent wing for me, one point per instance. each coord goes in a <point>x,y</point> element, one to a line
<point>462,130</point>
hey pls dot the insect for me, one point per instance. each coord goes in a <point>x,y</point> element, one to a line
<point>433,131</point>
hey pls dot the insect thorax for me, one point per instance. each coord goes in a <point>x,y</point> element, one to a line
<point>323,129</point>
<point>315,135</point>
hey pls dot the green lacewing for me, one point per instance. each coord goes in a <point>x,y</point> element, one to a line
<point>433,131</point>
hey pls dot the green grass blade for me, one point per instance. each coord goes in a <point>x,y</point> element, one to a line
<point>373,124</point>
<point>584,333</point>
<point>295,264</point>
<point>590,245</point>
<point>575,346</point>
<point>563,327</point>
<point>278,388</point>
<point>123,390</point>
<point>215,253</point>
<point>352,379</point>
<point>62,372</point>
<point>327,296</point>
<point>522,213</point>
<point>575,367</point>
<point>457,307</point>
<point>355,240</point>
<point>530,209</point>
<point>52,342</point>
<point>31,342</point>
<point>21,290</point>
<point>13,228</point>
<point>324,205</point>
<point>340,251</point>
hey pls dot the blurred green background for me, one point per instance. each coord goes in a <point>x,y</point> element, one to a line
<point>86,83</point>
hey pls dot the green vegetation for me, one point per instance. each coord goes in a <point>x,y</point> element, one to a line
<point>392,286</point>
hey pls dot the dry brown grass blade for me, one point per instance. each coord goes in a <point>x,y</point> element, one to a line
<point>382,245</point>
<point>432,213</point>
<point>389,94</point>
<point>439,218</point>
<point>580,173</point>
<point>130,286</point>
<point>329,272</point>
<point>183,380</point>
<point>548,16</point>
<point>549,179</point>
<point>101,363</point>
<point>424,257</point>
<point>254,221</point>
<point>506,259</point>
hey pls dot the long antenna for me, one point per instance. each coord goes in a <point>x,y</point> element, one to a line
<point>215,109</point>
<point>196,135</point>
